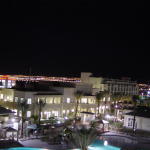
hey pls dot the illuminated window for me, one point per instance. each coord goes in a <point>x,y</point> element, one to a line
<point>41,115</point>
<point>49,100</point>
<point>13,84</point>
<point>1,96</point>
<point>20,114</point>
<point>16,99</point>
<point>55,113</point>
<point>29,101</point>
<point>84,100</point>
<point>28,113</point>
<point>48,114</point>
<point>57,100</point>
<point>68,100</point>
<point>9,81</point>
<point>91,101</point>
<point>21,99</point>
<point>104,99</point>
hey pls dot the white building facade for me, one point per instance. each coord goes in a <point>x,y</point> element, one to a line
<point>141,123</point>
<point>126,87</point>
<point>60,100</point>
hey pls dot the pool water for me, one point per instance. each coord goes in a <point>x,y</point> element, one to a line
<point>23,148</point>
<point>97,145</point>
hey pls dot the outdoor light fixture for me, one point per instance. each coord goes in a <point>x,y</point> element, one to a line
<point>90,147</point>
<point>65,118</point>
<point>105,143</point>
<point>13,120</point>
<point>107,116</point>
<point>58,122</point>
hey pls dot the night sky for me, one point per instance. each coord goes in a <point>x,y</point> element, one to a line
<point>63,38</point>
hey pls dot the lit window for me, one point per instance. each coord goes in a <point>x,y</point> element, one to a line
<point>84,100</point>
<point>29,101</point>
<point>41,115</point>
<point>48,114</point>
<point>1,96</point>
<point>20,114</point>
<point>57,100</point>
<point>21,99</point>
<point>68,100</point>
<point>16,99</point>
<point>9,81</point>
<point>13,84</point>
<point>3,81</point>
<point>49,100</point>
<point>91,101</point>
<point>55,113</point>
<point>28,113</point>
<point>104,99</point>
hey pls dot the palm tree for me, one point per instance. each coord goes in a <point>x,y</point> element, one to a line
<point>52,120</point>
<point>106,95</point>
<point>40,104</point>
<point>127,99</point>
<point>78,96</point>
<point>116,97</point>
<point>23,107</point>
<point>83,137</point>
<point>99,97</point>
<point>135,98</point>
<point>35,118</point>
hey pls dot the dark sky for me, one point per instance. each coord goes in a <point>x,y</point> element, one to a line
<point>108,38</point>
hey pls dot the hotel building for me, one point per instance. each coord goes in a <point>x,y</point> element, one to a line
<point>60,96</point>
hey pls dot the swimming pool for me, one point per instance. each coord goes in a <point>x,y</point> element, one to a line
<point>24,148</point>
<point>100,145</point>
<point>97,145</point>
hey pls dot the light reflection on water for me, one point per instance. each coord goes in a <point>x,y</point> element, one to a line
<point>97,145</point>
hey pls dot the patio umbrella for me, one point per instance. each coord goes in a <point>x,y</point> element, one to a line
<point>102,121</point>
<point>4,111</point>
<point>10,129</point>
